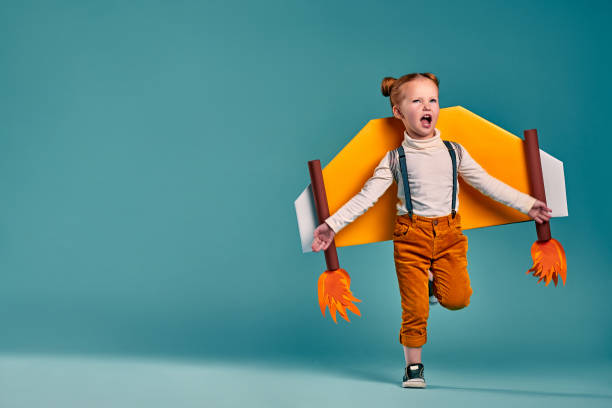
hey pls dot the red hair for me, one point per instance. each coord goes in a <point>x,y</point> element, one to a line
<point>391,87</point>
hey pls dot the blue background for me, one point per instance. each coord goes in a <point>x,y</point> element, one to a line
<point>151,151</point>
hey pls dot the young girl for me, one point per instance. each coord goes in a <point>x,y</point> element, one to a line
<point>427,237</point>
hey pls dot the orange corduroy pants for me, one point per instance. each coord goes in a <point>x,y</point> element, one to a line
<point>421,244</point>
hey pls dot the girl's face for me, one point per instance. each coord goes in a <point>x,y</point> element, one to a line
<point>418,108</point>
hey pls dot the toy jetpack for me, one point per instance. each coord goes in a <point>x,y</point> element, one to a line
<point>517,162</point>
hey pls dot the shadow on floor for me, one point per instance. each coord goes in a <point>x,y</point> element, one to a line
<point>380,375</point>
<point>521,392</point>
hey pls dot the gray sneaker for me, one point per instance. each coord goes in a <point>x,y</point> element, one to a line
<point>413,376</point>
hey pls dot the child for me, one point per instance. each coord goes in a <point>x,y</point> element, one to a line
<point>427,235</point>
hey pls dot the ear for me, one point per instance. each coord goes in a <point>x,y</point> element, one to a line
<point>397,113</point>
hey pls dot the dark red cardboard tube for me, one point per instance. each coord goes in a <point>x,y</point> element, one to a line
<point>536,178</point>
<point>320,199</point>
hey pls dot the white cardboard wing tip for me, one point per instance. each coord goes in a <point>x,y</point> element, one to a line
<point>554,184</point>
<point>306,218</point>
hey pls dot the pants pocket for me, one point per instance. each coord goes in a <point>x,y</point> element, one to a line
<point>400,230</point>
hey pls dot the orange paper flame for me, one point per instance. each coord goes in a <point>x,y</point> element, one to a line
<point>334,292</point>
<point>548,261</point>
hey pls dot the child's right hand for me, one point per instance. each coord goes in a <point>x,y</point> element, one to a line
<point>323,237</point>
<point>540,212</point>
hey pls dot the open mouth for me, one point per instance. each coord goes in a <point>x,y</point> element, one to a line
<point>426,120</point>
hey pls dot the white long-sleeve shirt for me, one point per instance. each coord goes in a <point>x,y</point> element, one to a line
<point>430,175</point>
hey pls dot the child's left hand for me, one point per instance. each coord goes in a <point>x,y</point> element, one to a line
<point>540,212</point>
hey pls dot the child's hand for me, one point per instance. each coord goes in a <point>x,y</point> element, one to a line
<point>539,212</point>
<point>323,237</point>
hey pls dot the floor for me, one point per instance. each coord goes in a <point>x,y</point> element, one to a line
<point>76,381</point>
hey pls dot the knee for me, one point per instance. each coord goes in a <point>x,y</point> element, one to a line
<point>457,300</point>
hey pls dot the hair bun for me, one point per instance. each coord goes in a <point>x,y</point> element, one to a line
<point>386,85</point>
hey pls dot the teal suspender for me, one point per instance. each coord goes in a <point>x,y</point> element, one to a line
<point>451,151</point>
<point>402,157</point>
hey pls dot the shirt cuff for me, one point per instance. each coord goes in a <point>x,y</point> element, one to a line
<point>525,203</point>
<point>333,224</point>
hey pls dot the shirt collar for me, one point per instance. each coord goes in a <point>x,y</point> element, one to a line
<point>434,141</point>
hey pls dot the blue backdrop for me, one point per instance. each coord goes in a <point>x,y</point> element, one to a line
<point>151,151</point>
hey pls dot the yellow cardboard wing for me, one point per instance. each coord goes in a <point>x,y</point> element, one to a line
<point>498,151</point>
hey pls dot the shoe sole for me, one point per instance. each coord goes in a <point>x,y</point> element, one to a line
<point>414,384</point>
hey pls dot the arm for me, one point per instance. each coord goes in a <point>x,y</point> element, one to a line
<point>356,206</point>
<point>366,198</point>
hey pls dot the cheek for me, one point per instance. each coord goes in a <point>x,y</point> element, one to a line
<point>416,116</point>
<point>407,112</point>
<point>412,113</point>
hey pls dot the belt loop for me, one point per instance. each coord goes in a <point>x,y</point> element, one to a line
<point>448,219</point>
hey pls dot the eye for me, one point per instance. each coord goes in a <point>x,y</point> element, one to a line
<point>433,100</point>
<point>416,100</point>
